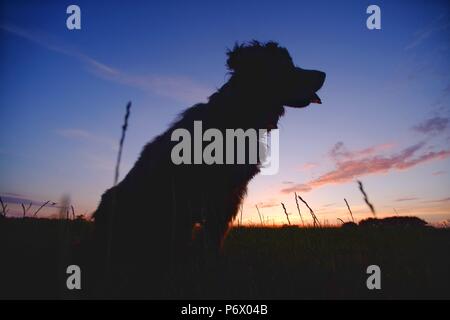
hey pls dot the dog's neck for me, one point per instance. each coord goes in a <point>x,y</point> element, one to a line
<point>237,89</point>
<point>241,100</point>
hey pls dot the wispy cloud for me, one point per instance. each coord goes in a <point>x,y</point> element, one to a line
<point>436,26</point>
<point>348,168</point>
<point>11,194</point>
<point>439,173</point>
<point>99,162</point>
<point>447,199</point>
<point>84,135</point>
<point>94,160</point>
<point>329,205</point>
<point>25,200</point>
<point>406,199</point>
<point>180,88</point>
<point>269,204</point>
<point>432,126</point>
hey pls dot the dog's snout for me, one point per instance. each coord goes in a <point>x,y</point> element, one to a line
<point>304,88</point>
<point>322,76</point>
<point>311,79</point>
<point>318,79</point>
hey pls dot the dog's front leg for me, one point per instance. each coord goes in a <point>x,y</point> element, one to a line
<point>214,229</point>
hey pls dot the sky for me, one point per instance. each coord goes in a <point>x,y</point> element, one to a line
<point>384,118</point>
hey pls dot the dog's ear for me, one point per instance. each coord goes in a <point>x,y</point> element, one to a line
<point>237,58</point>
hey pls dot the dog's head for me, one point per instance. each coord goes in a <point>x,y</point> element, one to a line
<point>269,70</point>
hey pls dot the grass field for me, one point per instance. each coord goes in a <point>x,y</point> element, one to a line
<point>272,263</point>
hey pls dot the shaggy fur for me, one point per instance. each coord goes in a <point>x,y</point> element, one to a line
<point>144,225</point>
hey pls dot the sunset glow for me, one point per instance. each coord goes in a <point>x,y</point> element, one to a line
<point>384,117</point>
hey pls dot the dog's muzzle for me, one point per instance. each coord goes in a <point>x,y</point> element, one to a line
<point>305,85</point>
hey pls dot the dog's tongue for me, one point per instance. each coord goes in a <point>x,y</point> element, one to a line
<point>315,99</point>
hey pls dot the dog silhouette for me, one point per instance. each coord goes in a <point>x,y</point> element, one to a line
<point>144,224</point>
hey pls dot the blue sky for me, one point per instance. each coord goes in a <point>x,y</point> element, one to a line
<point>63,95</point>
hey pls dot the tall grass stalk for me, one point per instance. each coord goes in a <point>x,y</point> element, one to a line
<point>366,198</point>
<point>286,213</point>
<point>298,209</point>
<point>259,214</point>
<point>25,209</point>
<point>4,207</point>
<point>240,223</point>
<point>313,215</point>
<point>39,209</point>
<point>122,139</point>
<point>349,210</point>
<point>113,195</point>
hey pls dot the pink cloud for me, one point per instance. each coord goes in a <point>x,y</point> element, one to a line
<point>308,166</point>
<point>350,165</point>
<point>339,151</point>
